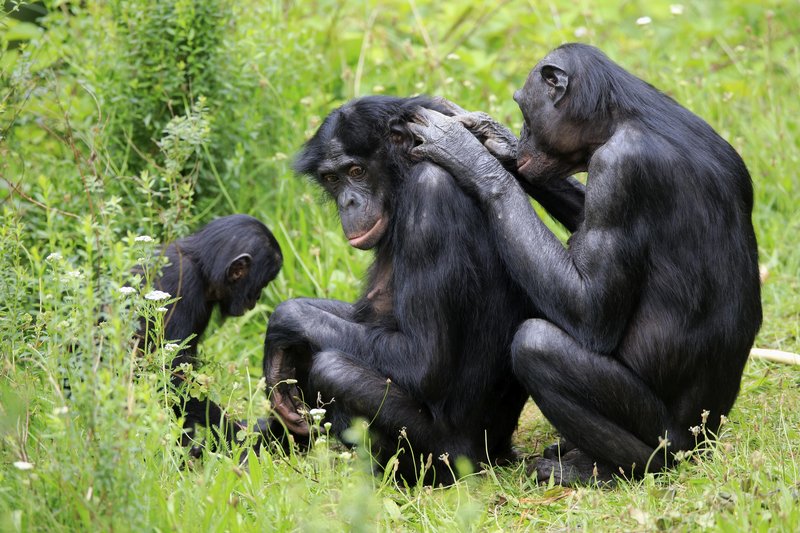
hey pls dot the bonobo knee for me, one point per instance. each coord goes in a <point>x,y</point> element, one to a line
<point>327,370</point>
<point>286,316</point>
<point>534,343</point>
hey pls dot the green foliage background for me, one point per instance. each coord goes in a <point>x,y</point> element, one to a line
<point>143,117</point>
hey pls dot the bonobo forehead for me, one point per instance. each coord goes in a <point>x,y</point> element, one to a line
<point>334,156</point>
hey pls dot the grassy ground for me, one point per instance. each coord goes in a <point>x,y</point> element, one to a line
<point>83,100</point>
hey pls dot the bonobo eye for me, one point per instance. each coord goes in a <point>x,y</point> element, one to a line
<point>355,171</point>
<point>331,179</point>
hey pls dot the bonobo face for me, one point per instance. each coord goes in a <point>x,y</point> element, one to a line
<point>354,183</point>
<point>549,144</point>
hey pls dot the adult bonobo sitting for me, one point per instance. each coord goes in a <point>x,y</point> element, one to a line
<point>651,309</point>
<point>424,353</point>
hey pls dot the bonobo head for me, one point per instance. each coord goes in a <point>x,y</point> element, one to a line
<point>237,256</point>
<point>359,156</point>
<point>571,103</point>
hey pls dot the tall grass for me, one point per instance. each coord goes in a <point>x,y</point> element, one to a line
<point>136,117</point>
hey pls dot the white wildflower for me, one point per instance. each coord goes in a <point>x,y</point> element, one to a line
<point>126,290</point>
<point>74,274</point>
<point>643,21</point>
<point>171,347</point>
<point>23,465</point>
<point>162,309</point>
<point>143,238</point>
<point>581,31</point>
<point>55,256</point>
<point>695,430</point>
<point>157,296</point>
<point>453,57</point>
<point>317,414</point>
<point>676,9</point>
<point>61,410</point>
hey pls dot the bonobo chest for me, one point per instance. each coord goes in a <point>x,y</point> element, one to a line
<point>377,303</point>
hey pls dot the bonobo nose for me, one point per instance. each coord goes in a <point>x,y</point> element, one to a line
<point>348,200</point>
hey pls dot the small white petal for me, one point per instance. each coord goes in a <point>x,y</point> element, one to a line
<point>126,290</point>
<point>162,309</point>
<point>23,465</point>
<point>55,256</point>
<point>157,295</point>
<point>143,238</point>
<point>643,21</point>
<point>171,347</point>
<point>581,31</point>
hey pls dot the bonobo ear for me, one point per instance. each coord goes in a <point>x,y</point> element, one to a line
<point>557,81</point>
<point>399,134</point>
<point>238,268</point>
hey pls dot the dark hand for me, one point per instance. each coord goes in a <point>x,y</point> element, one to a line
<point>446,142</point>
<point>498,139</point>
<point>285,395</point>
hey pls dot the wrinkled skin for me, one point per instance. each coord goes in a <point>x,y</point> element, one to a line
<point>651,309</point>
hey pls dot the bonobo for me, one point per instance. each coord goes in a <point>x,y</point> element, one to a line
<point>227,264</point>
<point>650,311</point>
<point>425,351</point>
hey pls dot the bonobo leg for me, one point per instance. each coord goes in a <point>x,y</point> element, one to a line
<point>298,329</point>
<point>357,390</point>
<point>612,417</point>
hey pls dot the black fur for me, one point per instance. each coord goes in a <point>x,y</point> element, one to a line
<point>196,273</point>
<point>436,318</point>
<point>650,312</point>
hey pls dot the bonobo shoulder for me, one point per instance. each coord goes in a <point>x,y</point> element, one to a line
<point>625,143</point>
<point>431,178</point>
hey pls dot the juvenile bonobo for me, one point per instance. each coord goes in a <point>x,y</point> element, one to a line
<point>650,311</point>
<point>425,351</point>
<point>225,264</point>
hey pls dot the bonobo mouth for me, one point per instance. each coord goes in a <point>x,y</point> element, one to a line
<point>523,164</point>
<point>369,238</point>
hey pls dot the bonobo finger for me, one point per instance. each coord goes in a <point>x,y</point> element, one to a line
<point>452,107</point>
<point>500,150</point>
<point>285,409</point>
<point>469,120</point>
<point>424,115</point>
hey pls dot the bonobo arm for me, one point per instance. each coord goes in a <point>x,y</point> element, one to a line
<point>563,199</point>
<point>583,289</point>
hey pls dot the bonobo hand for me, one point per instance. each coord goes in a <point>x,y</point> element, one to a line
<point>446,142</point>
<point>498,139</point>
<point>285,394</point>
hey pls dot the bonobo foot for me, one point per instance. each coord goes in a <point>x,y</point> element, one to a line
<point>562,447</point>
<point>572,469</point>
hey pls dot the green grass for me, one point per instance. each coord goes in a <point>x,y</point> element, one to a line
<point>73,94</point>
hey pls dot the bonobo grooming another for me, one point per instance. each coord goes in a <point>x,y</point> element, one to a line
<point>650,311</point>
<point>227,263</point>
<point>424,353</point>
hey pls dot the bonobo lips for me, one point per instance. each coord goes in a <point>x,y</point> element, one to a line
<point>523,164</point>
<point>369,238</point>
